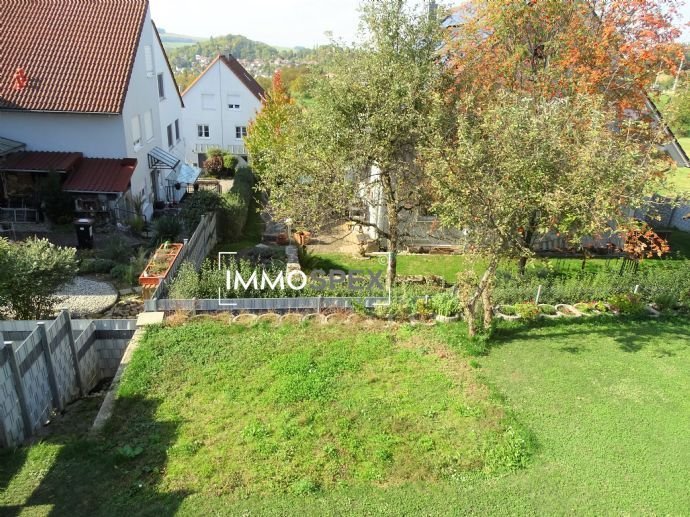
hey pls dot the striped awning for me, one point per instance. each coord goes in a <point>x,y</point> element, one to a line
<point>160,159</point>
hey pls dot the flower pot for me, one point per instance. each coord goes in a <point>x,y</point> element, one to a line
<point>159,265</point>
<point>302,238</point>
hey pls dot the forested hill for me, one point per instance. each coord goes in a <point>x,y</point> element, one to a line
<point>239,46</point>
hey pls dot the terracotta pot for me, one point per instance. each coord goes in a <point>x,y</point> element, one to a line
<point>302,238</point>
<point>153,274</point>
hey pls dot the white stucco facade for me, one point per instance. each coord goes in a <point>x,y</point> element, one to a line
<point>216,105</point>
<point>112,135</point>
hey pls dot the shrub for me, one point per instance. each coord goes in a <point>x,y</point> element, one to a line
<point>445,304</point>
<point>185,286</point>
<point>666,301</point>
<point>628,304</point>
<point>125,273</point>
<point>137,224</point>
<point>230,164</point>
<point>96,265</point>
<point>508,310</point>
<point>116,249</point>
<point>167,228</point>
<point>197,205</point>
<point>32,271</point>
<point>545,308</point>
<point>527,311</point>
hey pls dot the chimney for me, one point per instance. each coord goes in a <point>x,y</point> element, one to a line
<point>20,79</point>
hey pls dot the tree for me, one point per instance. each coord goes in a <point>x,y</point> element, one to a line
<point>354,145</point>
<point>552,48</point>
<point>549,165</point>
<point>32,271</point>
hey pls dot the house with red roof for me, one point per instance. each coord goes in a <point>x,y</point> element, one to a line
<point>218,107</point>
<point>86,92</point>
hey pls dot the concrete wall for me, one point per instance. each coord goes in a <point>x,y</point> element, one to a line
<point>45,366</point>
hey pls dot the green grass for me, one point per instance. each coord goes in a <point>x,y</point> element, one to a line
<point>329,421</point>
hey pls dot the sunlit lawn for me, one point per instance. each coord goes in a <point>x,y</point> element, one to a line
<point>313,420</point>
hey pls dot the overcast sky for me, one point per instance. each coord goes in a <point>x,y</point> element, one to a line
<point>285,23</point>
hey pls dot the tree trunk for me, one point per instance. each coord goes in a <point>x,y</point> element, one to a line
<point>530,231</point>
<point>484,287</point>
<point>469,317</point>
<point>393,236</point>
<point>522,264</point>
<point>488,305</point>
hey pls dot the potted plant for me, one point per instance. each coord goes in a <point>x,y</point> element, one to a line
<point>159,265</point>
<point>446,307</point>
<point>302,237</point>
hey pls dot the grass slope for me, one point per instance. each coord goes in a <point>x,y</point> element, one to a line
<point>333,420</point>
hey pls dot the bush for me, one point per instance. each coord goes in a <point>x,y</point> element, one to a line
<point>96,266</point>
<point>445,304</point>
<point>199,204</point>
<point>545,308</point>
<point>32,271</point>
<point>167,228</point>
<point>629,304</point>
<point>527,311</point>
<point>117,250</point>
<point>185,286</point>
<point>125,273</point>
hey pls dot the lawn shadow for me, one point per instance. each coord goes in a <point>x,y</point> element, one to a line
<point>631,334</point>
<point>116,472</point>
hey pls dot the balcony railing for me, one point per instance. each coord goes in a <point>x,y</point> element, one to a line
<point>237,150</point>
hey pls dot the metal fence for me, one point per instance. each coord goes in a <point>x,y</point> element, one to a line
<point>19,215</point>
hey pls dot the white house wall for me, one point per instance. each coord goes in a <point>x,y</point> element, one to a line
<point>97,136</point>
<point>142,96</point>
<point>220,82</point>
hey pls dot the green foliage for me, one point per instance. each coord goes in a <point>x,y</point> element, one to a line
<point>236,205</point>
<point>185,286</point>
<point>545,308</point>
<point>628,304</point>
<point>116,249</point>
<point>137,224</point>
<point>527,311</point>
<point>197,205</point>
<point>32,271</point>
<point>59,205</point>
<point>677,112</point>
<point>445,304</point>
<point>167,228</point>
<point>96,265</point>
<point>220,163</point>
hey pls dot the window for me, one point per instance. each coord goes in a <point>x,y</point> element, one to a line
<point>148,125</point>
<point>148,57</point>
<point>161,87</point>
<point>208,101</point>
<point>177,130</point>
<point>202,131</point>
<point>240,132</point>
<point>234,102</point>
<point>170,135</point>
<point>136,131</point>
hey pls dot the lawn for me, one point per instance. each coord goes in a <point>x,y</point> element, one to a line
<point>332,420</point>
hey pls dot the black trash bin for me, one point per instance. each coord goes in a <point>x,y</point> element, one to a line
<point>84,229</point>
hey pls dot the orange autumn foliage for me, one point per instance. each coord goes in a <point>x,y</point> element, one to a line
<point>556,48</point>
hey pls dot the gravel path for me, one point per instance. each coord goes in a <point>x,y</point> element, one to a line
<point>85,296</point>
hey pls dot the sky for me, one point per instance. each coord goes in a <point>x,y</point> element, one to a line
<point>282,23</point>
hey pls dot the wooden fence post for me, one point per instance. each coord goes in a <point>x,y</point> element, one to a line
<point>50,367</point>
<point>19,388</point>
<point>73,349</point>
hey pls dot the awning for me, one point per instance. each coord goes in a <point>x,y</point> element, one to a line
<point>187,175</point>
<point>101,176</point>
<point>160,159</point>
<point>8,146</point>
<point>36,161</point>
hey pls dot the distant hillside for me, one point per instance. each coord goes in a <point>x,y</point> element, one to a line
<point>171,40</point>
<point>239,46</point>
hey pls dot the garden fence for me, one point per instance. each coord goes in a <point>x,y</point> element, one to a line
<point>46,365</point>
<point>195,250</point>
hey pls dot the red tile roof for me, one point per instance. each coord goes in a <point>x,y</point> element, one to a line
<point>77,54</point>
<point>40,162</point>
<point>237,69</point>
<point>105,176</point>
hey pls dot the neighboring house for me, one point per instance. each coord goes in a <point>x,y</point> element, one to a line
<point>88,80</point>
<point>219,106</point>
